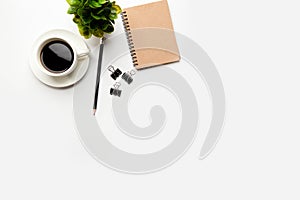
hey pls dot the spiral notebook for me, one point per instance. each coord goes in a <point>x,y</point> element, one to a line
<point>150,34</point>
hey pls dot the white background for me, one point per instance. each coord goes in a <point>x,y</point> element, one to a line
<point>255,46</point>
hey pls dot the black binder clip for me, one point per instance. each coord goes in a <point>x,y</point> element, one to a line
<point>127,76</point>
<point>116,91</point>
<point>115,73</point>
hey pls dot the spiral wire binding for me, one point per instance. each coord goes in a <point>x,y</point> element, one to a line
<point>128,32</point>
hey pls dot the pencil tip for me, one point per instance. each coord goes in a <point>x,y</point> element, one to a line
<point>94,112</point>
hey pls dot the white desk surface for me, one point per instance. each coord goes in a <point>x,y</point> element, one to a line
<point>254,44</point>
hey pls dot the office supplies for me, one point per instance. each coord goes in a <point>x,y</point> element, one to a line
<point>98,75</point>
<point>115,92</point>
<point>146,25</point>
<point>127,78</point>
<point>115,73</point>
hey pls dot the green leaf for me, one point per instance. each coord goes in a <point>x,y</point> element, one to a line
<point>104,12</point>
<point>110,29</point>
<point>98,33</point>
<point>81,28</point>
<point>76,19</point>
<point>73,2</point>
<point>87,20</point>
<point>72,10</point>
<point>108,4</point>
<point>97,16</point>
<point>102,1</point>
<point>87,35</point>
<point>80,11</point>
<point>95,4</point>
<point>84,31</point>
<point>113,16</point>
<point>94,24</point>
<point>85,15</point>
<point>86,3</point>
<point>117,9</point>
<point>107,27</point>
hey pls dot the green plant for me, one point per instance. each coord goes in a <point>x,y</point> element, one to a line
<point>94,17</point>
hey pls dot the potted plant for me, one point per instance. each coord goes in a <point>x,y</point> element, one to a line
<point>94,17</point>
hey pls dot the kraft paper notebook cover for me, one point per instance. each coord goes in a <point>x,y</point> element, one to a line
<point>150,34</point>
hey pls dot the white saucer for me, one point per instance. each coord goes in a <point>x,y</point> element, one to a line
<point>69,79</point>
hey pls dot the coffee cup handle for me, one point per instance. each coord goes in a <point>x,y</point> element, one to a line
<point>83,53</point>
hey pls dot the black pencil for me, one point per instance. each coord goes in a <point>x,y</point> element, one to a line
<point>98,76</point>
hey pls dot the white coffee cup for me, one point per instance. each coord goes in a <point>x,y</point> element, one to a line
<point>78,54</point>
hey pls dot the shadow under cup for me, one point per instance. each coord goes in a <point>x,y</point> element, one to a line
<point>57,56</point>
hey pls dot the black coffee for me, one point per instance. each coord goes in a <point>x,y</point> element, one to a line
<point>57,56</point>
